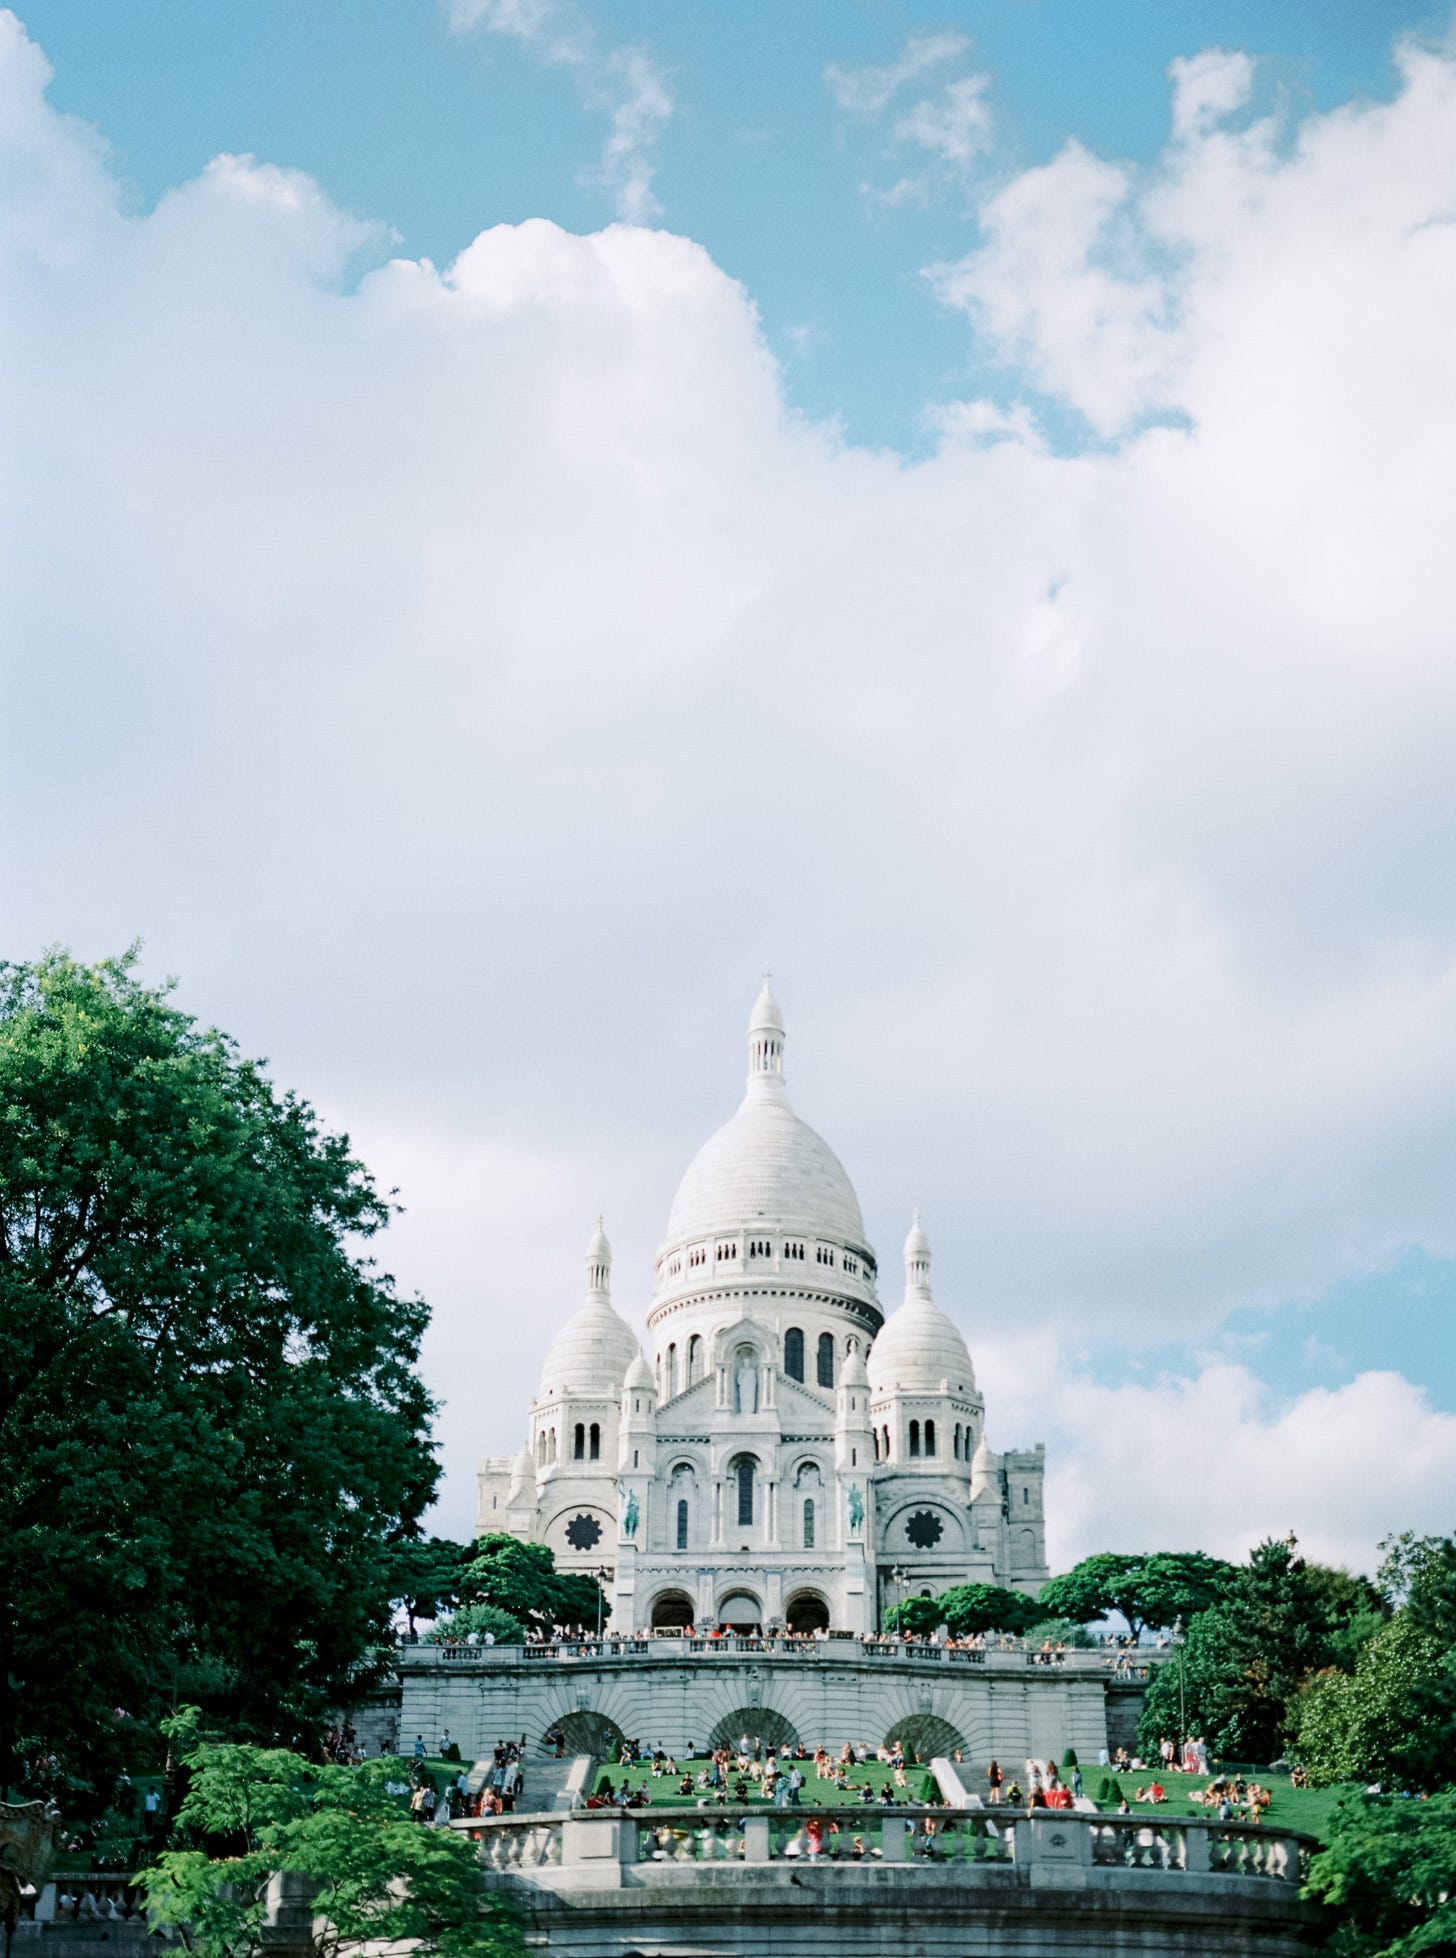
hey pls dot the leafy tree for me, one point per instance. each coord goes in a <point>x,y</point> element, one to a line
<point>210,1414</point>
<point>426,1575</point>
<point>918,1615</point>
<point>522,1580</point>
<point>1420,1574</point>
<point>1388,1871</point>
<point>969,1608</point>
<point>1243,1661</point>
<point>1392,1721</point>
<point>1351,1609</point>
<point>481,1619</point>
<point>1151,1590</point>
<point>376,1877</point>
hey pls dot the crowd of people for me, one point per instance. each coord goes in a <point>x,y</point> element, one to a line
<point>754,1770</point>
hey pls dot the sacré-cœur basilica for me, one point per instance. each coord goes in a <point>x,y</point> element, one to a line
<point>784,1452</point>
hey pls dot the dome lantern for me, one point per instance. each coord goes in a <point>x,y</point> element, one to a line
<point>765,1042</point>
<point>599,1265</point>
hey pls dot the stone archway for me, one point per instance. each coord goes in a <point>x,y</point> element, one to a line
<point>590,1733</point>
<point>741,1611</point>
<point>926,1735</point>
<point>760,1723</point>
<point>806,1611</point>
<point>672,1611</point>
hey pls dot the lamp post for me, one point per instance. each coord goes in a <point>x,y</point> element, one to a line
<point>898,1575</point>
<point>601,1577</point>
<point>1179,1635</point>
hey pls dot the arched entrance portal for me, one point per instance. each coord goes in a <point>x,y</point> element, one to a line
<point>741,1611</point>
<point>672,1611</point>
<point>589,1733</point>
<point>760,1723</point>
<point>924,1736</point>
<point>806,1611</point>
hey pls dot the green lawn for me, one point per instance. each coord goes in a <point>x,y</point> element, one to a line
<point>663,1791</point>
<point>1309,1809</point>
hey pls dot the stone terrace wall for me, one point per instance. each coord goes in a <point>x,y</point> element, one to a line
<point>676,1691</point>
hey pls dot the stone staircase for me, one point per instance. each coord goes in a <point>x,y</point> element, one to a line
<point>553,1785</point>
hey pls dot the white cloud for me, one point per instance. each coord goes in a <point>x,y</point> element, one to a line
<point>1209,1460</point>
<point>1207,87</point>
<point>466,678</point>
<point>624,82</point>
<point>948,131</point>
<point>868,91</point>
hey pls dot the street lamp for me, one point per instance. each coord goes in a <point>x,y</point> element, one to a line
<point>601,1576</point>
<point>1179,1635</point>
<point>898,1575</point>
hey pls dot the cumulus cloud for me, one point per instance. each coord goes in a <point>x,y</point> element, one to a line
<point>1210,1460</point>
<point>466,677</point>
<point>624,82</point>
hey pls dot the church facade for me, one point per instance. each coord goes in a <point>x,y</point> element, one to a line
<point>782,1452</point>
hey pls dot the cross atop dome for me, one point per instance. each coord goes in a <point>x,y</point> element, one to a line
<point>598,1264</point>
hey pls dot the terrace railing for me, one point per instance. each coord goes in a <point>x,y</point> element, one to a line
<point>642,1846</point>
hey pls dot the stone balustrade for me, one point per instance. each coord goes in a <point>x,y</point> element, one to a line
<point>1012,1656</point>
<point>646,1846</point>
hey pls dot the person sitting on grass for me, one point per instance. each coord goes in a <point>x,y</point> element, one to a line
<point>1156,1791</point>
<point>685,1786</point>
<point>887,1794</point>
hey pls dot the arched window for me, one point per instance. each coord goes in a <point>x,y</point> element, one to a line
<point>551,1446</point>
<point>885,1451</point>
<point>672,1370</point>
<point>745,1490</point>
<point>695,1358</point>
<point>1026,1496</point>
<point>826,1360</point>
<point>808,1522</point>
<point>682,1525</point>
<point>541,1449</point>
<point>956,1441</point>
<point>794,1353</point>
<point>914,1437</point>
<point>596,1441</point>
<point>578,1443</point>
<point>930,1437</point>
<point>875,1437</point>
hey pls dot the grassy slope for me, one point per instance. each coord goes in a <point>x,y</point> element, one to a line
<point>1309,1809</point>
<point>663,1793</point>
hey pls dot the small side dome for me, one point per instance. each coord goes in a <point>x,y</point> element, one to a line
<point>639,1375</point>
<point>983,1467</point>
<point>918,1346</point>
<point>853,1373</point>
<point>594,1349</point>
<point>590,1355</point>
<point>523,1470</point>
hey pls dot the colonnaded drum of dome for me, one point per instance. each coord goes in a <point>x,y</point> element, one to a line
<point>783,1452</point>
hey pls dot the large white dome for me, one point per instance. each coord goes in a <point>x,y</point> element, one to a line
<point>766,1165</point>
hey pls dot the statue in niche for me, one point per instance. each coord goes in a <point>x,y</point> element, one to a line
<point>630,1518</point>
<point>745,1383</point>
<point>856,1507</point>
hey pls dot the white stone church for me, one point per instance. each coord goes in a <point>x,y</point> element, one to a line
<point>789,1454</point>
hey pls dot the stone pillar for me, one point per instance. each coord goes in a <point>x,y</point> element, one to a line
<point>717,1537</point>
<point>1195,1851</point>
<point>895,1839</point>
<point>287,1930</point>
<point>755,1839</point>
<point>598,1845</point>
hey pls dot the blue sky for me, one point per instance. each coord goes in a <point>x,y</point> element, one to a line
<point>444,133</point>
<point>972,531</point>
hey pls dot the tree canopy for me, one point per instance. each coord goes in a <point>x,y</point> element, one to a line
<point>521,1579</point>
<point>210,1410</point>
<point>1151,1590</point>
<point>1388,1874</point>
<point>375,1876</point>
